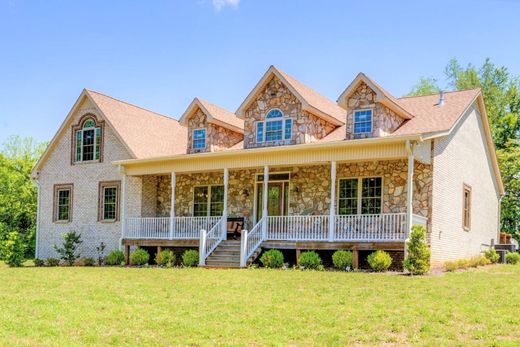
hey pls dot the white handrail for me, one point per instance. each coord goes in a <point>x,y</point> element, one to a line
<point>160,227</point>
<point>371,227</point>
<point>210,240</point>
<point>314,228</point>
<point>250,241</point>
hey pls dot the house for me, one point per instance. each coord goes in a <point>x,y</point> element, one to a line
<point>290,169</point>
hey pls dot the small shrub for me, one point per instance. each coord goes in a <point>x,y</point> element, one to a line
<point>13,249</point>
<point>450,266</point>
<point>52,262</point>
<point>190,258</point>
<point>139,257</point>
<point>310,260</point>
<point>88,261</point>
<point>418,258</point>
<point>512,258</point>
<point>492,255</point>
<point>116,257</point>
<point>342,260</point>
<point>379,261</point>
<point>165,258</point>
<point>101,253</point>
<point>39,262</point>
<point>479,260</point>
<point>67,252</point>
<point>272,258</point>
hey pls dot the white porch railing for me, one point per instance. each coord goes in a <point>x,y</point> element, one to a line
<point>250,241</point>
<point>159,227</point>
<point>210,240</point>
<point>371,227</point>
<point>190,227</point>
<point>313,228</point>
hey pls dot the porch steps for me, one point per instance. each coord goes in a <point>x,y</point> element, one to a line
<point>227,255</point>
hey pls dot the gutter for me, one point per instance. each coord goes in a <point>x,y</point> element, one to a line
<point>38,187</point>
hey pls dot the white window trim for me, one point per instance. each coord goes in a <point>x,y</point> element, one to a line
<point>359,192</point>
<point>371,121</point>
<point>267,120</point>
<point>82,144</point>
<point>208,212</point>
<point>193,139</point>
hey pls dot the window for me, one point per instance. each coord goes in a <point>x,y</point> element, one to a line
<point>62,203</point>
<point>360,195</point>
<point>208,201</point>
<point>362,121</point>
<point>276,127</point>
<point>108,206</point>
<point>199,139</point>
<point>466,208</point>
<point>88,140</point>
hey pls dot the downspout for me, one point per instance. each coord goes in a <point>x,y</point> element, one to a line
<point>123,205</point>
<point>38,198</point>
<point>409,193</point>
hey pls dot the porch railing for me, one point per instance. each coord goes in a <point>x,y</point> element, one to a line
<point>371,227</point>
<point>315,228</point>
<point>250,241</point>
<point>210,240</point>
<point>159,227</point>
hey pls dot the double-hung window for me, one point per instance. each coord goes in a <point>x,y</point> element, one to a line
<point>362,121</point>
<point>88,141</point>
<point>199,139</point>
<point>466,207</point>
<point>62,203</point>
<point>275,127</point>
<point>208,201</point>
<point>360,195</point>
<point>108,209</point>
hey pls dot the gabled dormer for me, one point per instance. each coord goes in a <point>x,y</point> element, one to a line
<point>282,111</point>
<point>210,127</point>
<point>371,111</point>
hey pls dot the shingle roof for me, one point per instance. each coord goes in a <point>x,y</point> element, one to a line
<point>222,114</point>
<point>147,134</point>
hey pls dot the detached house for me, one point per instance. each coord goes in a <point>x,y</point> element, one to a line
<point>290,169</point>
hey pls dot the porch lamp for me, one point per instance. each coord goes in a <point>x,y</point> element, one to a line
<point>245,192</point>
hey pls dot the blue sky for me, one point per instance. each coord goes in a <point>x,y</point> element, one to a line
<point>161,54</point>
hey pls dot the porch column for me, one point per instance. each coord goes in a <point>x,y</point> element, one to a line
<point>225,211</point>
<point>264,202</point>
<point>409,190</point>
<point>332,212</point>
<point>124,205</point>
<point>172,205</point>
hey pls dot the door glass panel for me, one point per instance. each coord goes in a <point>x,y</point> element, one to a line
<point>277,200</point>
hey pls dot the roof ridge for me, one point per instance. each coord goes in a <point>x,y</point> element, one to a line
<point>212,104</point>
<point>130,104</point>
<point>444,91</point>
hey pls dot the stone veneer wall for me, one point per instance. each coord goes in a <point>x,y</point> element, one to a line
<point>217,137</point>
<point>384,121</point>
<point>306,127</point>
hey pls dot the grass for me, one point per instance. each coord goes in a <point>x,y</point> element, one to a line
<point>138,306</point>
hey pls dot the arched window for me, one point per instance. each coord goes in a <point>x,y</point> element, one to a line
<point>88,138</point>
<point>276,127</point>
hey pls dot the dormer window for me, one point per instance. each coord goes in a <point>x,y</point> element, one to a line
<point>199,139</point>
<point>88,140</point>
<point>362,121</point>
<point>275,127</point>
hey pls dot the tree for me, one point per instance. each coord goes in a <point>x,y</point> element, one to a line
<point>426,86</point>
<point>13,249</point>
<point>67,252</point>
<point>418,259</point>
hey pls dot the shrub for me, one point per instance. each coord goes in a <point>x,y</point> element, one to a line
<point>272,258</point>
<point>165,258</point>
<point>139,257</point>
<point>13,249</point>
<point>88,261</point>
<point>418,258</point>
<point>39,262</point>
<point>190,258</point>
<point>512,258</point>
<point>310,260</point>
<point>492,255</point>
<point>342,260</point>
<point>116,257</point>
<point>101,253</point>
<point>453,265</point>
<point>379,261</point>
<point>52,262</point>
<point>67,252</point>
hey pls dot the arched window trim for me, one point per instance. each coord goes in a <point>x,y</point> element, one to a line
<point>77,155</point>
<point>274,127</point>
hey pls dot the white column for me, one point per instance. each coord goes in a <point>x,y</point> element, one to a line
<point>332,212</point>
<point>172,205</point>
<point>225,212</point>
<point>409,189</point>
<point>124,197</point>
<point>264,200</point>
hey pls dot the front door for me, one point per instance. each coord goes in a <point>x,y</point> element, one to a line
<point>277,199</point>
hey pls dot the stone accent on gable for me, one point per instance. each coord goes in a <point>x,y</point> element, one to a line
<point>384,120</point>
<point>306,127</point>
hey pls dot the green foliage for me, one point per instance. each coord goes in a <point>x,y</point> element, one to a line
<point>272,258</point>
<point>101,253</point>
<point>139,257</point>
<point>115,258</point>
<point>492,255</point>
<point>165,258</point>
<point>52,262</point>
<point>88,261</point>
<point>379,261</point>
<point>13,249</point>
<point>509,162</point>
<point>479,260</point>
<point>342,259</point>
<point>67,252</point>
<point>426,86</point>
<point>190,258</point>
<point>513,258</point>
<point>310,260</point>
<point>39,262</point>
<point>418,259</point>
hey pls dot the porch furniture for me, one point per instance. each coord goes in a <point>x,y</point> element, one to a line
<point>235,225</point>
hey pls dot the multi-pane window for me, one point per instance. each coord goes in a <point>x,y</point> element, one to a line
<point>466,208</point>
<point>276,127</point>
<point>108,209</point>
<point>62,203</point>
<point>208,201</point>
<point>360,195</point>
<point>88,141</point>
<point>199,139</point>
<point>362,121</point>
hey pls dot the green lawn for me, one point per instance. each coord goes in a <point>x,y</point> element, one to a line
<point>130,306</point>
